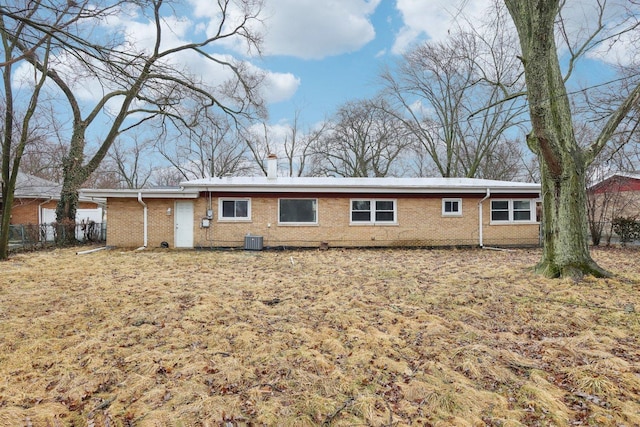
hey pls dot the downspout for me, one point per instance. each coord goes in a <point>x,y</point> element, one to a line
<point>144,221</point>
<point>480,217</point>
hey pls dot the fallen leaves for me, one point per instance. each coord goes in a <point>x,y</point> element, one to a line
<point>337,337</point>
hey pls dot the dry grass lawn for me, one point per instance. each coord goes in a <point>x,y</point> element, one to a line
<point>338,337</point>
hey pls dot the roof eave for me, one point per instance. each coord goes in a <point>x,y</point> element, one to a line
<point>533,189</point>
<point>146,194</point>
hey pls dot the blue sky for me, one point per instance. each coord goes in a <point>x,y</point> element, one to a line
<point>326,83</point>
<point>319,54</point>
<point>324,53</point>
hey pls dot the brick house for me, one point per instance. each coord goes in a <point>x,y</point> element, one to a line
<point>35,201</point>
<point>617,195</point>
<point>621,194</point>
<point>308,212</point>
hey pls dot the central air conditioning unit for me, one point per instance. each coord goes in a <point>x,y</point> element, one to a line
<point>253,243</point>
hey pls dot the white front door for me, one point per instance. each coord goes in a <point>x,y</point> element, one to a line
<point>184,225</point>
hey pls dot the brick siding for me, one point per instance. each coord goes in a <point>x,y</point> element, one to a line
<point>419,223</point>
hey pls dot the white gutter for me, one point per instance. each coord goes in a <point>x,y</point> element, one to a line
<point>144,220</point>
<point>480,216</point>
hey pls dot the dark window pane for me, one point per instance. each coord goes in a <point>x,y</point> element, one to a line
<point>502,205</point>
<point>521,205</point>
<point>451,206</point>
<point>228,208</point>
<point>360,205</point>
<point>384,205</point>
<point>242,209</point>
<point>360,216</point>
<point>521,216</point>
<point>297,210</point>
<point>499,215</point>
<point>384,216</point>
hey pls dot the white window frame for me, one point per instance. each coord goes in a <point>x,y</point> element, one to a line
<point>315,205</point>
<point>511,210</point>
<point>372,211</point>
<point>222,218</point>
<point>452,213</point>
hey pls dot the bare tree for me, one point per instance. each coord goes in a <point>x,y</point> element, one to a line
<point>138,83</point>
<point>292,145</point>
<point>563,162</point>
<point>20,125</point>
<point>451,96</point>
<point>299,146</point>
<point>129,160</point>
<point>166,177</point>
<point>261,142</point>
<point>363,140</point>
<point>105,176</point>
<point>42,158</point>
<point>210,147</point>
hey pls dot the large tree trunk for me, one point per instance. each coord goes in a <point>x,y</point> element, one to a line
<point>562,160</point>
<point>73,177</point>
<point>565,233</point>
<point>5,221</point>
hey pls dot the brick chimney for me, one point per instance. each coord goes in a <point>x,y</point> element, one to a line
<point>272,166</point>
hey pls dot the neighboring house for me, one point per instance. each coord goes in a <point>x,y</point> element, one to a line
<point>617,195</point>
<point>35,201</point>
<point>310,212</point>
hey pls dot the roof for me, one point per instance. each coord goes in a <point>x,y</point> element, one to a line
<point>350,185</point>
<point>29,186</point>
<point>33,187</point>
<point>147,193</point>
<point>612,178</point>
<point>191,189</point>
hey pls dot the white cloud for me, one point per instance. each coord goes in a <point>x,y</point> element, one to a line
<point>312,29</point>
<point>280,86</point>
<point>434,19</point>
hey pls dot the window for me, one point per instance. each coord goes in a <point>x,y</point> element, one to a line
<point>361,210</point>
<point>298,211</point>
<point>511,211</point>
<point>499,210</point>
<point>522,210</point>
<point>235,209</point>
<point>373,211</point>
<point>452,207</point>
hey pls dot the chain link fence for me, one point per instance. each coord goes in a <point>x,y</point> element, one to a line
<point>32,236</point>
